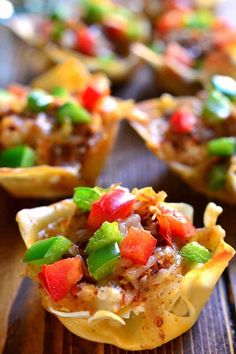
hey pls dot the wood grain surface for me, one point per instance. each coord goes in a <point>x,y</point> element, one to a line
<point>25,328</point>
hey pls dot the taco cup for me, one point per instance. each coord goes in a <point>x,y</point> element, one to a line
<point>128,268</point>
<point>102,47</point>
<point>187,49</point>
<point>195,137</point>
<point>58,134</point>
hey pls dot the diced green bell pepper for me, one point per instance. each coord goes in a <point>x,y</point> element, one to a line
<point>60,12</point>
<point>58,30</point>
<point>199,20</point>
<point>59,91</point>
<point>38,101</point>
<point>85,196</point>
<point>74,112</point>
<point>47,251</point>
<point>217,107</point>
<point>224,84</point>
<point>194,252</point>
<point>103,261</point>
<point>133,30</point>
<point>18,156</point>
<point>107,233</point>
<point>217,177</point>
<point>93,11</point>
<point>222,146</point>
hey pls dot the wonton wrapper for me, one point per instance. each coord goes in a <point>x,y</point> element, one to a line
<point>118,70</point>
<point>150,130</point>
<point>49,181</point>
<point>144,330</point>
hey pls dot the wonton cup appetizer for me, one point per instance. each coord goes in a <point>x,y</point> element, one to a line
<point>189,47</point>
<point>195,136</point>
<point>125,268</point>
<point>102,45</point>
<point>53,140</point>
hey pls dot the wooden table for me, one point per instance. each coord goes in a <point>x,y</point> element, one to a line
<point>25,328</point>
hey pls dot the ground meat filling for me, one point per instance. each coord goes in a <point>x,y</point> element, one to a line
<point>55,145</point>
<point>189,148</point>
<point>130,284</point>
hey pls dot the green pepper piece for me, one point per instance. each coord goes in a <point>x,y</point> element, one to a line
<point>60,13</point>
<point>18,156</point>
<point>107,233</point>
<point>59,92</point>
<point>217,177</point>
<point>38,101</point>
<point>133,30</point>
<point>222,146</point>
<point>103,261</point>
<point>47,251</point>
<point>94,12</point>
<point>199,20</point>
<point>85,196</point>
<point>225,84</point>
<point>74,112</point>
<point>58,30</point>
<point>217,108</point>
<point>194,252</point>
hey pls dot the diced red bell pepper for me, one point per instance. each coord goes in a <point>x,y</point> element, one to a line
<point>138,245</point>
<point>58,278</point>
<point>85,42</point>
<point>183,121</point>
<point>114,30</point>
<point>174,225</point>
<point>114,205</point>
<point>17,90</point>
<point>170,21</point>
<point>178,53</point>
<point>90,97</point>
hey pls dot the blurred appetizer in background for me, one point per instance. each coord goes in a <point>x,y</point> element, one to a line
<point>189,46</point>
<point>58,134</point>
<point>101,38</point>
<point>195,136</point>
<point>121,267</point>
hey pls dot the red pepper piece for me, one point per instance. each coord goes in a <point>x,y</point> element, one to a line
<point>114,30</point>
<point>90,97</point>
<point>114,205</point>
<point>17,90</point>
<point>85,42</point>
<point>170,21</point>
<point>58,278</point>
<point>183,121</point>
<point>138,245</point>
<point>174,225</point>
